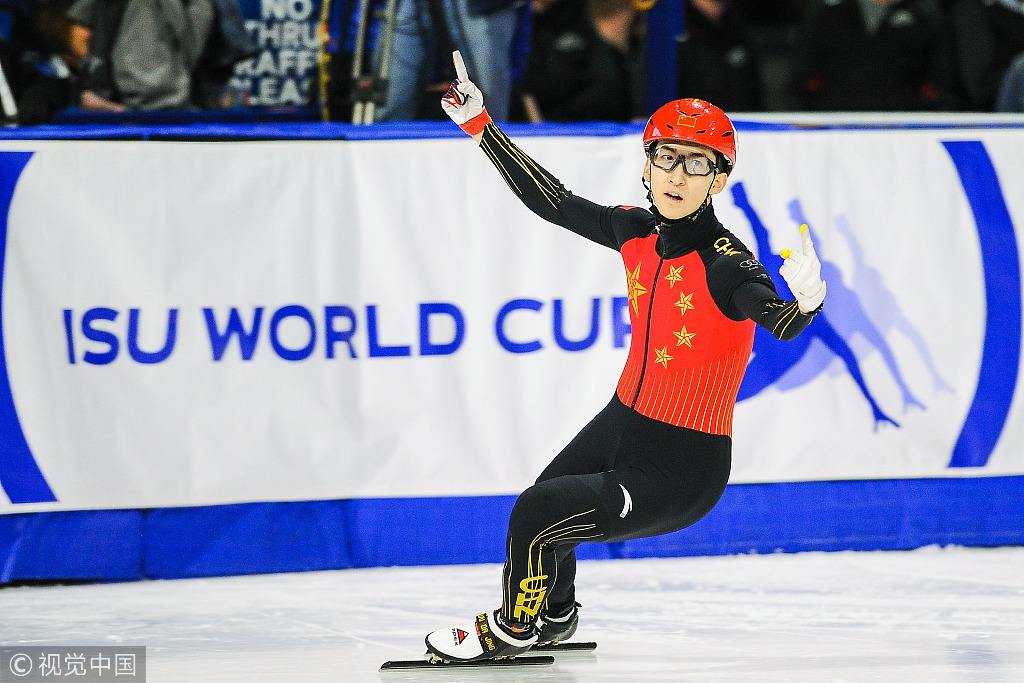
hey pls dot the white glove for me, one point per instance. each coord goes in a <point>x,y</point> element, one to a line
<point>802,272</point>
<point>464,103</point>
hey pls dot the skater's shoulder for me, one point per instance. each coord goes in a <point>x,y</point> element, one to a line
<point>728,245</point>
<point>633,221</point>
<point>636,214</point>
<point>730,261</point>
<point>720,246</point>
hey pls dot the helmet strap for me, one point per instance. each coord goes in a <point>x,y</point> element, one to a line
<point>685,219</point>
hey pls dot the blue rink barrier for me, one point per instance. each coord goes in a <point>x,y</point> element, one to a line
<point>280,537</point>
<point>158,126</point>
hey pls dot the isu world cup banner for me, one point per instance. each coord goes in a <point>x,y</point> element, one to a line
<point>189,324</point>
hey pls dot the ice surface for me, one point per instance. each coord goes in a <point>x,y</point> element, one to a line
<point>928,615</point>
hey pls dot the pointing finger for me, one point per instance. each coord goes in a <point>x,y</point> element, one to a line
<point>460,66</point>
<point>805,235</point>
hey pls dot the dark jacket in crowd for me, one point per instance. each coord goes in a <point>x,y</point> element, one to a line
<point>37,58</point>
<point>15,37</point>
<point>906,64</point>
<point>50,86</point>
<point>989,35</point>
<point>229,44</point>
<point>718,63</point>
<point>483,7</point>
<point>575,75</point>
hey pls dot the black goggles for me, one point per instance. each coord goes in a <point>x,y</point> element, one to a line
<point>693,164</point>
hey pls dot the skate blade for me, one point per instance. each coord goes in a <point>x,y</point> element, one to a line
<point>572,646</point>
<point>438,663</point>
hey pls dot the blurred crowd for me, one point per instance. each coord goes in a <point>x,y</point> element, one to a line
<point>535,60</point>
<point>117,55</point>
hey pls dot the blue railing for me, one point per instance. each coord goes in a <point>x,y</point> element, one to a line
<point>178,128</point>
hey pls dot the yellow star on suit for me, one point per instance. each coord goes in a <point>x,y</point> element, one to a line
<point>636,290</point>
<point>684,337</point>
<point>674,275</point>
<point>685,303</point>
<point>663,357</point>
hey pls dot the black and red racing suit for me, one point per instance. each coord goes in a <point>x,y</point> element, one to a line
<point>657,457</point>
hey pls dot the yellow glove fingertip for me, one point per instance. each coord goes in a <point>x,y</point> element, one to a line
<point>804,228</point>
<point>785,253</point>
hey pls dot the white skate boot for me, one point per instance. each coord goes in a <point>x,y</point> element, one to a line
<point>485,638</point>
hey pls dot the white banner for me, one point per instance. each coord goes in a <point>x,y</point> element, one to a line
<point>189,324</point>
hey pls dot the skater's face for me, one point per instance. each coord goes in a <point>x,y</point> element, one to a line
<point>678,193</point>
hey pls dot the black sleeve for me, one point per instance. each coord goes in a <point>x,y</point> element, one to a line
<point>760,302</point>
<point>543,194</point>
<point>743,290</point>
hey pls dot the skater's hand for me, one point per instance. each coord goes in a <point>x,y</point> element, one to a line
<point>802,272</point>
<point>464,103</point>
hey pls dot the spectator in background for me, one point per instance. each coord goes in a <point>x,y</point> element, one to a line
<point>988,37</point>
<point>16,18</point>
<point>874,55</point>
<point>481,29</point>
<point>1011,91</point>
<point>585,64</point>
<point>229,43</point>
<point>717,60</point>
<point>52,73</point>
<point>340,32</point>
<point>143,52</point>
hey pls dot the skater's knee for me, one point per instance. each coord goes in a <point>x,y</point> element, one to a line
<point>549,506</point>
<point>534,500</point>
<point>536,509</point>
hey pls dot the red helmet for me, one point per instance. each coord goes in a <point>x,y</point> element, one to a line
<point>696,121</point>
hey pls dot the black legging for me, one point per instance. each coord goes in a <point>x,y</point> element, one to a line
<point>623,476</point>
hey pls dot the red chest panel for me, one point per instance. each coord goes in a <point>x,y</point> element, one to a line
<point>686,358</point>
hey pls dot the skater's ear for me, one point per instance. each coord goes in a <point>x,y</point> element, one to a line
<point>719,183</point>
<point>647,170</point>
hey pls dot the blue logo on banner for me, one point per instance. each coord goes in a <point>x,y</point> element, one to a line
<point>1000,358</point>
<point>19,474</point>
<point>795,363</point>
<point>771,360</point>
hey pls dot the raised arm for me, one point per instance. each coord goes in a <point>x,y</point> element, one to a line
<point>759,302</point>
<point>538,189</point>
<point>744,286</point>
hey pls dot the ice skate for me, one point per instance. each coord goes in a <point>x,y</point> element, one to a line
<point>555,630</point>
<point>484,639</point>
